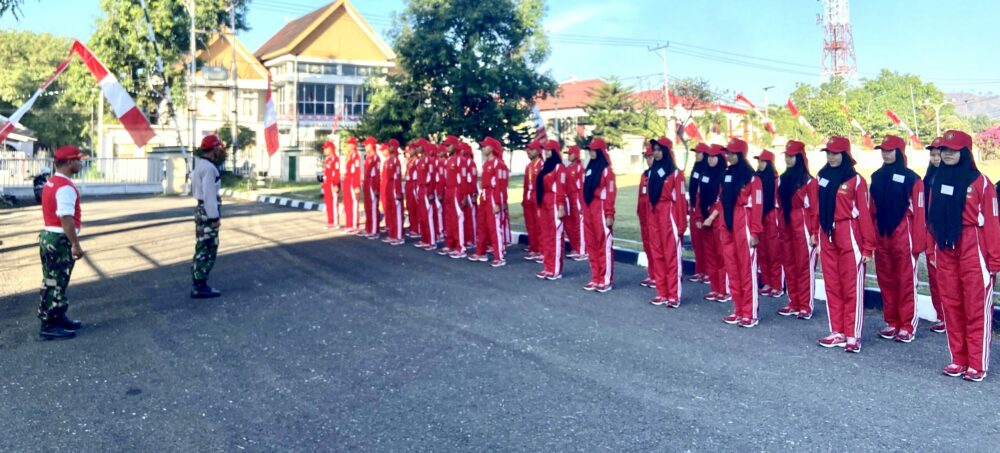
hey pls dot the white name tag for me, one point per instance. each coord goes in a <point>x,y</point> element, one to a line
<point>643,189</point>
<point>823,182</point>
<point>660,172</point>
<point>896,177</point>
<point>704,179</point>
<point>696,175</point>
<point>947,190</point>
<point>588,172</point>
<point>729,178</point>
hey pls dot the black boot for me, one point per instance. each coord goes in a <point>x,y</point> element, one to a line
<point>54,330</point>
<point>201,290</point>
<point>68,324</point>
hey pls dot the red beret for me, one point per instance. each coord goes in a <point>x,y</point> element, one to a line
<point>209,142</point>
<point>68,152</point>
<point>736,146</point>
<point>956,140</point>
<point>892,142</point>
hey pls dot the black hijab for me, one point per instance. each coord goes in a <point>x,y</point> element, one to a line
<point>739,175</point>
<point>834,176</point>
<point>659,172</point>
<point>929,181</point>
<point>549,165</point>
<point>710,189</point>
<point>792,180</point>
<point>767,184</point>
<point>592,179</point>
<point>944,216</point>
<point>889,193</point>
<point>696,172</point>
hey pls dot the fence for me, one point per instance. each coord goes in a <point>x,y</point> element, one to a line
<point>109,173</point>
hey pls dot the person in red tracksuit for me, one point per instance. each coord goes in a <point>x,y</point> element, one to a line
<point>599,193</point>
<point>772,274</point>
<point>471,192</point>
<point>391,190</point>
<point>331,185</point>
<point>574,219</point>
<point>963,219</point>
<point>455,181</point>
<point>697,234</point>
<point>668,221</point>
<point>642,210</point>
<point>550,194</point>
<point>798,219</point>
<point>352,186</point>
<point>528,204</point>
<point>492,203</point>
<point>709,187</point>
<point>897,207</point>
<point>847,241</point>
<point>426,185</point>
<point>740,206</point>
<point>934,162</point>
<point>410,190</point>
<point>369,189</point>
<point>439,158</point>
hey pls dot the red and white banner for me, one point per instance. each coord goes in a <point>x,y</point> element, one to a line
<point>913,136</point>
<point>690,130</point>
<point>270,123</point>
<point>792,108</point>
<point>128,113</point>
<point>741,98</point>
<point>536,118</point>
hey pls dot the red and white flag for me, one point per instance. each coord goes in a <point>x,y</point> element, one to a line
<point>270,123</point>
<point>769,126</point>
<point>741,98</point>
<point>913,136</point>
<point>691,130</point>
<point>536,118</point>
<point>792,108</point>
<point>128,113</point>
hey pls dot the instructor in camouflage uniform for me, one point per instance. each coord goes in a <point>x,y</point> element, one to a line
<point>205,185</point>
<point>59,245</point>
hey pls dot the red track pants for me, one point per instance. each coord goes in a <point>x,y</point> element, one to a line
<point>966,289</point>
<point>393,210</point>
<point>645,218</point>
<point>799,259</point>
<point>550,228</point>
<point>666,246</point>
<point>428,228</point>
<point>574,226</point>
<point>454,220</point>
<point>844,277</point>
<point>741,268</point>
<point>935,290</point>
<point>698,247</point>
<point>530,209</point>
<point>711,239</point>
<point>771,271</point>
<point>491,232</point>
<point>331,200</point>
<point>469,221</point>
<point>350,208</point>
<point>896,268</point>
<point>371,211</point>
<point>599,243</point>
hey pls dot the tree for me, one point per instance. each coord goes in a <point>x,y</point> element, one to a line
<point>246,137</point>
<point>612,111</point>
<point>466,67</point>
<point>62,114</point>
<point>12,7</point>
<point>122,42</point>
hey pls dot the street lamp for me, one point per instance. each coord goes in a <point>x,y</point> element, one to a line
<point>765,102</point>
<point>937,112</point>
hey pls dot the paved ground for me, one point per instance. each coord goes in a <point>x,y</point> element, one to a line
<point>327,343</point>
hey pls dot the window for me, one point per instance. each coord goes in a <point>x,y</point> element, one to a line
<point>356,100</point>
<point>349,70</point>
<point>316,99</point>
<point>248,103</point>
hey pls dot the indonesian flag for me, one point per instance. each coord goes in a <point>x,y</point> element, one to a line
<point>741,98</point>
<point>691,130</point>
<point>913,136</point>
<point>916,141</point>
<point>803,121</point>
<point>865,137</point>
<point>336,122</point>
<point>770,127</point>
<point>124,107</point>
<point>792,108</point>
<point>271,123</point>
<point>536,119</point>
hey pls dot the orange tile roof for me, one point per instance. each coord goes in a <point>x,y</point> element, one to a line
<point>570,95</point>
<point>290,32</point>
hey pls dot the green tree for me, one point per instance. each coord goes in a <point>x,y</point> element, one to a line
<point>612,111</point>
<point>62,114</point>
<point>12,7</point>
<point>466,67</point>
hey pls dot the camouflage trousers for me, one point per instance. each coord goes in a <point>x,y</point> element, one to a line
<point>206,245</point>
<point>57,266</point>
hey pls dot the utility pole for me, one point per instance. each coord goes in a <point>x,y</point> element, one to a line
<point>669,120</point>
<point>766,119</point>
<point>236,89</point>
<point>913,104</point>
<point>937,113</point>
<point>192,83</point>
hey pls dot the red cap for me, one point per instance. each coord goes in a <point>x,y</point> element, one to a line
<point>209,142</point>
<point>552,145</point>
<point>392,144</point>
<point>68,152</point>
<point>534,144</point>
<point>330,146</point>
<point>956,140</point>
<point>766,156</point>
<point>450,140</point>
<point>838,144</point>
<point>736,146</point>
<point>716,150</point>
<point>573,151</point>
<point>352,141</point>
<point>701,148</point>
<point>647,148</point>
<point>598,143</point>
<point>492,143</point>
<point>664,142</point>
<point>892,142</point>
<point>936,144</point>
<point>370,141</point>
<point>465,149</point>
<point>794,147</point>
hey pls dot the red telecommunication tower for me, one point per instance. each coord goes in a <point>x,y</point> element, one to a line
<point>838,40</point>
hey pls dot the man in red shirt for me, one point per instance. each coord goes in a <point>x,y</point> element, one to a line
<point>369,189</point>
<point>455,181</point>
<point>331,185</point>
<point>352,186</point>
<point>59,244</point>
<point>471,193</point>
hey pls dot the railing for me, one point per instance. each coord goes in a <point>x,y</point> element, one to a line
<point>20,172</point>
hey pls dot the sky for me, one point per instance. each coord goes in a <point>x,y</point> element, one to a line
<point>737,45</point>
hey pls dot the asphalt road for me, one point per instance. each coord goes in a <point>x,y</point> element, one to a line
<point>330,343</point>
